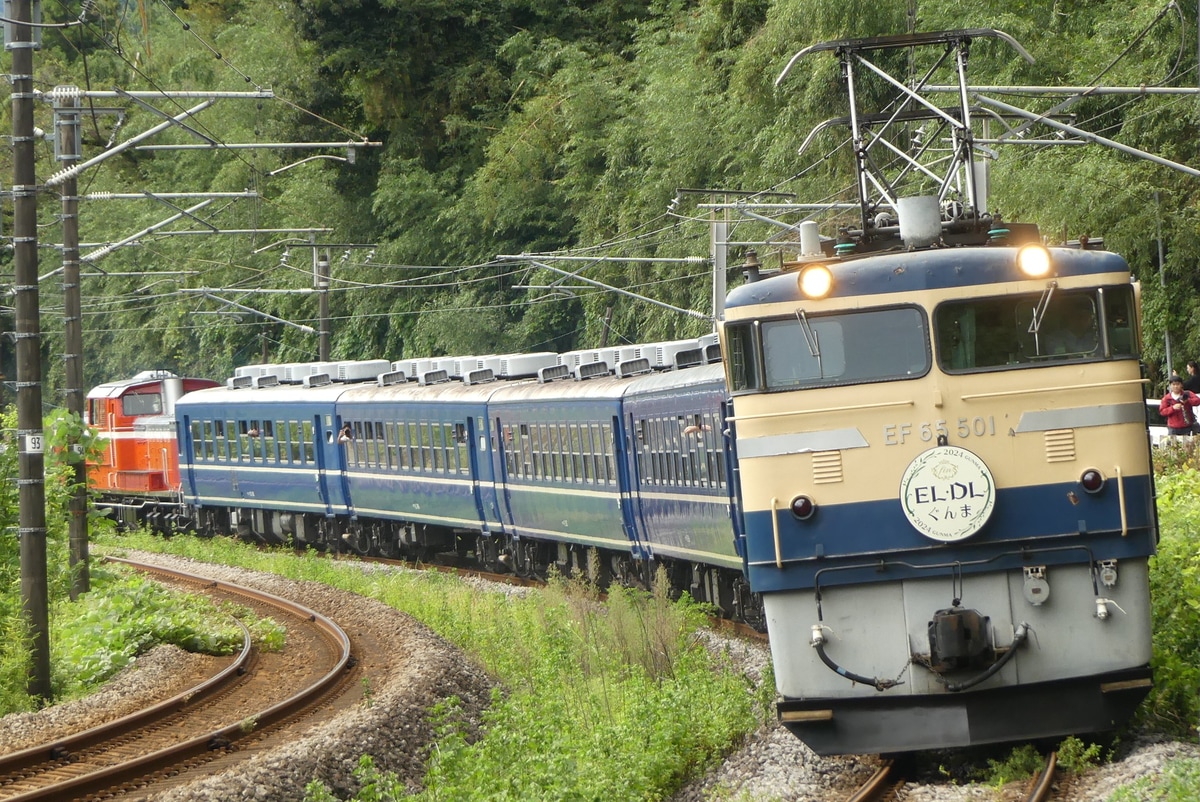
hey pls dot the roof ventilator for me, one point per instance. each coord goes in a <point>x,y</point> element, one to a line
<point>316,380</point>
<point>634,367</point>
<point>433,377</point>
<point>591,370</point>
<point>553,373</point>
<point>690,358</point>
<point>481,376</point>
<point>390,378</point>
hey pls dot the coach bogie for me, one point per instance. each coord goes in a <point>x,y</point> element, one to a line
<point>358,539</point>
<point>490,553</point>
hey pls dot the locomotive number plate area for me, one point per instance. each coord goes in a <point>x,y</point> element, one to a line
<point>947,493</point>
<point>895,434</point>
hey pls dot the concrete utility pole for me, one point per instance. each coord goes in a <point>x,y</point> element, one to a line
<point>66,122</point>
<point>322,277</point>
<point>31,479</point>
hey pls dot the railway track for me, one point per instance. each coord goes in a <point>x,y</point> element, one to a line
<point>886,783</point>
<point>256,694</point>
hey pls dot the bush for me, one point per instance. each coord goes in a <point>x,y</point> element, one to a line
<point>1173,706</point>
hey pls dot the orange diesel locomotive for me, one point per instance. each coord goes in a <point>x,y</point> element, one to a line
<point>138,475</point>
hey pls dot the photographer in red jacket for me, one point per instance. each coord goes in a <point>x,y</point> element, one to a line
<point>1178,406</point>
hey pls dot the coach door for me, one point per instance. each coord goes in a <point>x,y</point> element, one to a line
<point>507,453</point>
<point>315,437</point>
<point>624,448</point>
<point>483,477</point>
<point>634,467</point>
<point>186,439</point>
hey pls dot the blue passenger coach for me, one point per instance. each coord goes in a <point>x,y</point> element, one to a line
<point>262,460</point>
<point>417,465</point>
<point>614,472</point>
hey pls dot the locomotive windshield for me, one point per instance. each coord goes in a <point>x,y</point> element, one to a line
<point>1036,329</point>
<point>820,351</point>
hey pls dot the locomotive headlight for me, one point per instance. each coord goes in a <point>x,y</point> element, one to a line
<point>1092,480</point>
<point>816,281</point>
<point>1034,261</point>
<point>803,507</point>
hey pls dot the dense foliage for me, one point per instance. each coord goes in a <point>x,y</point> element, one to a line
<point>520,126</point>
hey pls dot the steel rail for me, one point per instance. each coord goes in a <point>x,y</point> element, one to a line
<point>59,748</point>
<point>1040,791</point>
<point>147,765</point>
<point>876,785</point>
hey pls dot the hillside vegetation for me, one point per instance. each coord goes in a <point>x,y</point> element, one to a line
<point>520,126</point>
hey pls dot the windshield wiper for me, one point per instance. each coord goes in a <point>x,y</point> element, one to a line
<point>1039,311</point>
<point>810,337</point>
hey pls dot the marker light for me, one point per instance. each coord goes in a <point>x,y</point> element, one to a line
<point>816,281</point>
<point>1034,261</point>
<point>1092,480</point>
<point>803,507</point>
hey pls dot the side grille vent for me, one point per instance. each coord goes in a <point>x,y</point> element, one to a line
<point>1060,445</point>
<point>827,467</point>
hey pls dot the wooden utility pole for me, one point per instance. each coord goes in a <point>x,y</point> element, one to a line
<point>31,478</point>
<point>66,122</point>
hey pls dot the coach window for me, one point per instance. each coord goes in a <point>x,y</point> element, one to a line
<point>535,452</point>
<point>444,459</point>
<point>610,467</point>
<point>380,445</point>
<point>202,441</point>
<point>232,443</point>
<point>221,450</point>
<point>408,441</point>
<point>267,435</point>
<point>310,453</point>
<point>420,445</point>
<point>439,447</point>
<point>294,440</point>
<point>366,445</point>
<point>375,446</point>
<point>197,441</point>
<point>404,444</point>
<point>555,450</point>
<point>283,441</point>
<point>661,457</point>
<point>387,442</point>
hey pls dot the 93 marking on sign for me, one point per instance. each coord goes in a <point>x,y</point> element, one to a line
<point>34,444</point>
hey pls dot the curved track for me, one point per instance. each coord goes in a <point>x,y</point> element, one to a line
<point>243,702</point>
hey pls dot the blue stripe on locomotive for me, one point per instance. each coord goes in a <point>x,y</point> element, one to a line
<point>266,483</point>
<point>1025,521</point>
<point>687,518</point>
<point>890,273</point>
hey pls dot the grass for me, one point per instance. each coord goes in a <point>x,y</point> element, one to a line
<point>613,700</point>
<point>1179,781</point>
<point>124,615</point>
